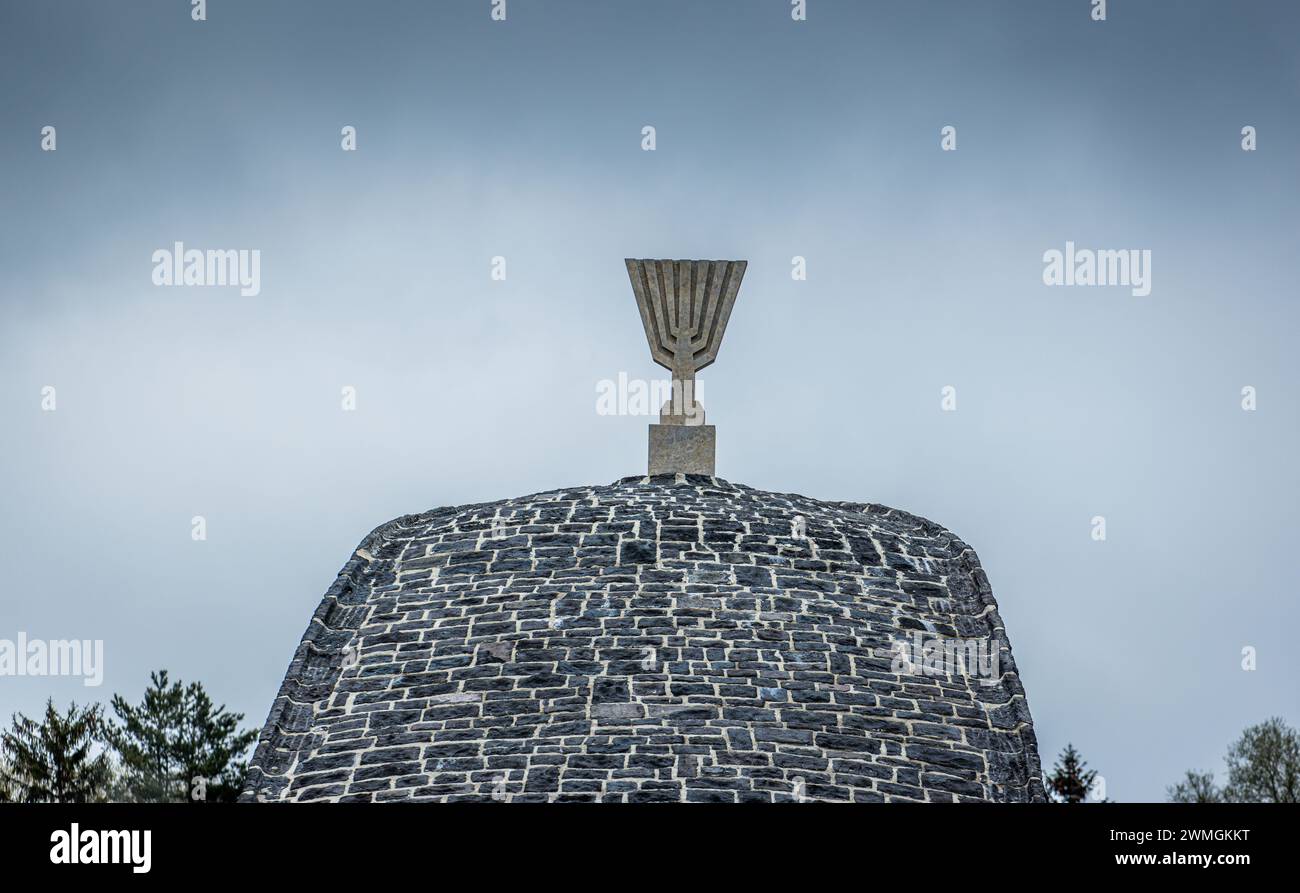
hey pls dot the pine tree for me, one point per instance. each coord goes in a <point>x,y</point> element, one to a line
<point>176,746</point>
<point>1070,780</point>
<point>52,761</point>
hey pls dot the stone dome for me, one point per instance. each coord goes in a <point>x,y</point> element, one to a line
<point>667,638</point>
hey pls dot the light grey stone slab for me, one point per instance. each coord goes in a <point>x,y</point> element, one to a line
<point>682,449</point>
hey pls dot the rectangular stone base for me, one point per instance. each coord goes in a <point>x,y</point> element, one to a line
<point>684,449</point>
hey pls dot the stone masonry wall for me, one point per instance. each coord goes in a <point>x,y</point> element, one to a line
<point>676,638</point>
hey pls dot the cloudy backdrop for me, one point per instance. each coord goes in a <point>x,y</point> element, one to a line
<point>774,138</point>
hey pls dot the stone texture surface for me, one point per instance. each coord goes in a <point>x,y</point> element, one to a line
<point>674,638</point>
<point>685,449</point>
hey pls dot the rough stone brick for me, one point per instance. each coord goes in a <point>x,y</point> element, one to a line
<point>663,639</point>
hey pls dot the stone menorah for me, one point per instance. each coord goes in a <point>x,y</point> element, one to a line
<point>685,305</point>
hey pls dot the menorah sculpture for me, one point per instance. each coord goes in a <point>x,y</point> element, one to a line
<point>685,305</point>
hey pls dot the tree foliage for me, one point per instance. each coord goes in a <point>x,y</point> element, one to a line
<point>58,760</point>
<point>1263,767</point>
<point>176,745</point>
<point>1071,779</point>
<point>1196,787</point>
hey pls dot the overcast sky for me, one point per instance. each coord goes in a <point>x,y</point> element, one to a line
<point>774,138</point>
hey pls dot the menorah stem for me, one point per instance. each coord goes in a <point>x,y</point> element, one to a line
<point>682,407</point>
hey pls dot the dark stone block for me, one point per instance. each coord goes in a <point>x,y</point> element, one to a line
<point>637,552</point>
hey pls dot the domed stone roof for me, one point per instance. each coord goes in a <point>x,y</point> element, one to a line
<point>666,638</point>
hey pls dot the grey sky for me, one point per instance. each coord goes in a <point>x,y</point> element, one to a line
<point>774,139</point>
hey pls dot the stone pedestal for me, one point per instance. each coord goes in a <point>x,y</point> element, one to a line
<point>685,449</point>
